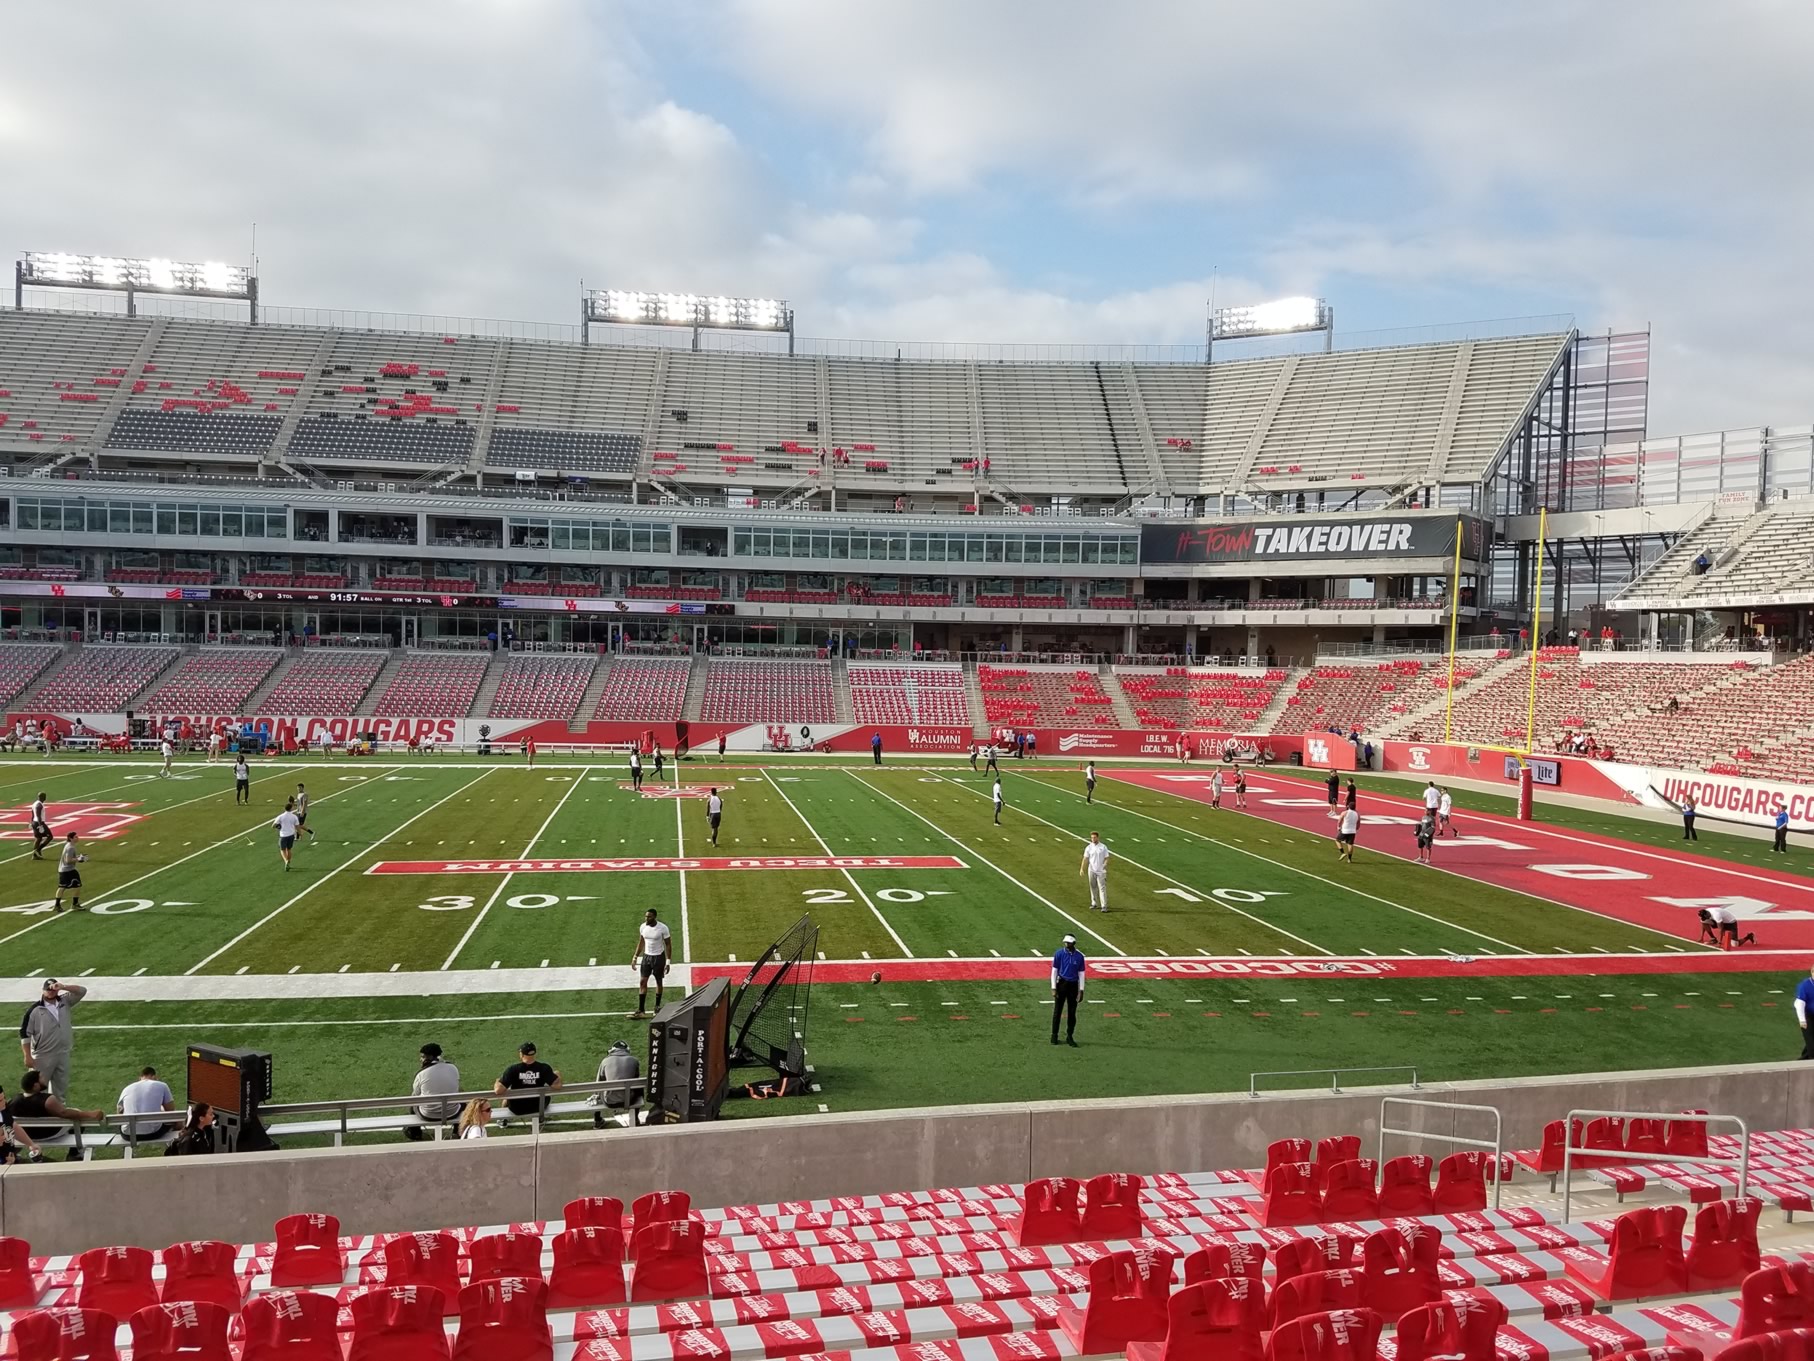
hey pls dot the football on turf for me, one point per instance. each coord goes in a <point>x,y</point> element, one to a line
<point>876,977</point>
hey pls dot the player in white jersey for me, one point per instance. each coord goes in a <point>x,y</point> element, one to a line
<point>1215,790</point>
<point>1445,806</point>
<point>167,750</point>
<point>242,781</point>
<point>997,797</point>
<point>41,835</point>
<point>286,825</point>
<point>1240,788</point>
<point>1089,783</point>
<point>1432,796</point>
<point>1344,838</point>
<point>714,809</point>
<point>653,941</point>
<point>302,812</point>
<point>1095,868</point>
<point>69,878</point>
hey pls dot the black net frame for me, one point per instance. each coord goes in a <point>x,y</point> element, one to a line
<point>769,1011</point>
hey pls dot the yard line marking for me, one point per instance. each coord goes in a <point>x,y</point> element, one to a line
<point>350,860</point>
<point>680,833</point>
<point>1179,883</point>
<point>951,837</point>
<point>849,877</point>
<point>213,846</point>
<point>498,892</point>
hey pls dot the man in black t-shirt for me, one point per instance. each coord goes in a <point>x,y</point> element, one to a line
<point>527,1074</point>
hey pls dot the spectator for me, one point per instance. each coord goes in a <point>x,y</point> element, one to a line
<point>436,1077</point>
<point>197,1134</point>
<point>527,1074</point>
<point>475,1118</point>
<point>47,1034</point>
<point>147,1096</point>
<point>37,1101</point>
<point>618,1065</point>
<point>12,1139</point>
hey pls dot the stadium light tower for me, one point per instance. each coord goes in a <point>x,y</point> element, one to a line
<point>697,311</point>
<point>115,274</point>
<point>1287,316</point>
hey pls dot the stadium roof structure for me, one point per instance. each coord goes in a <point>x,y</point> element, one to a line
<point>1379,422</point>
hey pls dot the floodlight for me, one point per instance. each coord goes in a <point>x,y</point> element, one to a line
<point>1286,316</point>
<point>62,270</point>
<point>715,312</point>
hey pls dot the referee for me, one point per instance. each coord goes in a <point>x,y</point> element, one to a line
<point>1067,987</point>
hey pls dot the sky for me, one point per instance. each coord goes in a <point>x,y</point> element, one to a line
<point>942,171</point>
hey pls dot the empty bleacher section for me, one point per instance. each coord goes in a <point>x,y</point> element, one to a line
<point>742,691</point>
<point>20,666</point>
<point>731,418</point>
<point>1056,425</point>
<point>1044,696</point>
<point>1181,697</point>
<point>328,682</point>
<point>914,418</point>
<point>208,389</point>
<point>638,689</point>
<point>214,681</point>
<point>58,374</point>
<point>396,398</point>
<point>102,679</point>
<point>1728,721</point>
<point>572,409</point>
<point>432,686</point>
<point>927,693</point>
<point>1175,396</point>
<point>535,686</point>
<point>1348,697</point>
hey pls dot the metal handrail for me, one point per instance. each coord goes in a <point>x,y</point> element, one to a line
<point>1569,1148</point>
<point>1335,1076</point>
<point>1496,1144</point>
<point>345,1106</point>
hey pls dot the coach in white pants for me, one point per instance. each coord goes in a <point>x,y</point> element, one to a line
<point>1095,868</point>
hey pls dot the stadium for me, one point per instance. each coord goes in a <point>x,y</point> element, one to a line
<point>388,697</point>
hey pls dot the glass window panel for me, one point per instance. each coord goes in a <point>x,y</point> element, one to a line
<point>142,519</point>
<point>1092,547</point>
<point>28,513</point>
<point>740,542</point>
<point>119,518</point>
<point>1069,549</point>
<point>916,548</point>
<point>759,544</point>
<point>255,522</point>
<point>639,538</point>
<point>935,548</point>
<point>562,536</point>
<point>821,544</point>
<point>166,519</point>
<point>230,518</point>
<point>973,547</point>
<point>840,544</point>
<point>661,540</point>
<point>803,543</point>
<point>859,546</point>
<point>277,523</point>
<point>1011,547</point>
<point>185,520</point>
<point>210,517</point>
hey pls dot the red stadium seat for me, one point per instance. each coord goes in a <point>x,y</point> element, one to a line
<point>1797,1345</point>
<point>1336,1148</point>
<point>1222,1319</point>
<point>588,1268</point>
<point>1338,1335</point>
<point>504,1319</point>
<point>659,1207</point>
<point>1219,1260</point>
<point>1289,1197</point>
<point>1049,1213</point>
<point>1644,1138</point>
<point>1776,1297</point>
<point>1317,1293</point>
<point>425,1259</point>
<point>1404,1186</point>
<point>1287,1151</point>
<point>18,1286</point>
<point>65,1335</point>
<point>1645,1258</point>
<point>1461,1183</point>
<point>1313,1253</point>
<point>308,1251</point>
<point>399,1323</point>
<point>1668,1352</point>
<point>670,1261</point>
<point>290,1325</point>
<point>1548,1158</point>
<point>1399,1269</point>
<point>594,1212</point>
<point>1349,1191</point>
<point>1724,1249</point>
<point>1111,1206</point>
<point>1127,1302</point>
<point>1461,1327</point>
<point>496,1255</point>
<point>206,1270</point>
<point>189,1330</point>
<point>116,1281</point>
<point>1686,1138</point>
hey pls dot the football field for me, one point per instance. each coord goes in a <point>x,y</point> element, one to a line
<point>482,902</point>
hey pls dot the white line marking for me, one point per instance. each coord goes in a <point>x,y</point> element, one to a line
<point>851,878</point>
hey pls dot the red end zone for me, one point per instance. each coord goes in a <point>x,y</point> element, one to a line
<point>764,862</point>
<point>1656,889</point>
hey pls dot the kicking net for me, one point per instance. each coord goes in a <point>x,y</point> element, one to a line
<point>769,1011</point>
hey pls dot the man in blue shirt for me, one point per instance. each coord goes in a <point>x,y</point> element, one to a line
<point>1804,1012</point>
<point>1782,829</point>
<point>1067,988</point>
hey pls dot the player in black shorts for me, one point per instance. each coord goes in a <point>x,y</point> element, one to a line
<point>41,835</point>
<point>714,810</point>
<point>69,878</point>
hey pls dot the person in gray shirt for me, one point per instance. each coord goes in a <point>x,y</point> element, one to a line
<point>436,1077</point>
<point>47,1033</point>
<point>617,1065</point>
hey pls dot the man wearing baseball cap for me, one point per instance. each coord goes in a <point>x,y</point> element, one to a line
<point>1067,987</point>
<point>47,1033</point>
<point>436,1077</point>
<point>527,1074</point>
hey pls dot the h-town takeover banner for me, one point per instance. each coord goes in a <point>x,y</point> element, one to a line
<point>1300,538</point>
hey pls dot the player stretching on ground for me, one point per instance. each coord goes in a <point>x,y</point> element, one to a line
<point>69,878</point>
<point>652,941</point>
<point>998,799</point>
<point>242,781</point>
<point>302,812</point>
<point>1095,868</point>
<point>167,750</point>
<point>286,825</point>
<point>714,809</point>
<point>1089,782</point>
<point>41,835</point>
<point>1240,788</point>
<point>1445,805</point>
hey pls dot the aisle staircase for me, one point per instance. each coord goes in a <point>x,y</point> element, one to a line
<point>368,705</point>
<point>694,703</point>
<point>588,703</point>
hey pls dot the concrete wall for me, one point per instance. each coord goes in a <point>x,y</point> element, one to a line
<point>157,1201</point>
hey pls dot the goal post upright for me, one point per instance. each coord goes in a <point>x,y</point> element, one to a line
<point>1536,634</point>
